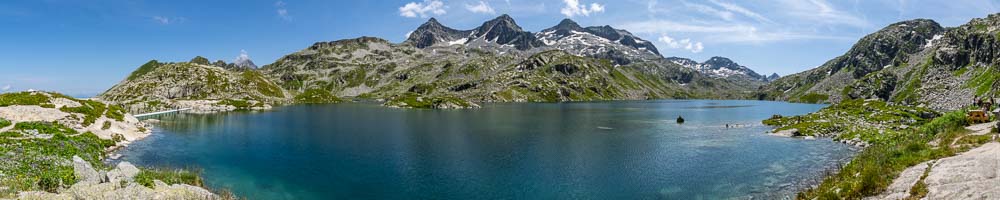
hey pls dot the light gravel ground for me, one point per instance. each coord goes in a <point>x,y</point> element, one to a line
<point>974,174</point>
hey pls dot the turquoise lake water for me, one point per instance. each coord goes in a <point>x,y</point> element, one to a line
<point>594,150</point>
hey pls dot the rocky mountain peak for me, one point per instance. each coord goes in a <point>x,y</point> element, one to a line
<point>877,50</point>
<point>565,24</point>
<point>502,23</point>
<point>432,21</point>
<point>605,32</point>
<point>682,61</point>
<point>432,32</point>
<point>504,31</point>
<point>722,62</point>
<point>243,61</point>
<point>772,77</point>
<point>719,67</point>
<point>199,60</point>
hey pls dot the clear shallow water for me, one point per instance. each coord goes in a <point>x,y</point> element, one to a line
<point>600,150</point>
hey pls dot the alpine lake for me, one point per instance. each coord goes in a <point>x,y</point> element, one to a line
<point>587,150</point>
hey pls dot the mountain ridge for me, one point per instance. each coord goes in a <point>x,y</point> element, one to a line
<point>495,62</point>
<point>913,62</point>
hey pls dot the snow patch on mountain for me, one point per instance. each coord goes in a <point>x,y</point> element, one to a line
<point>719,67</point>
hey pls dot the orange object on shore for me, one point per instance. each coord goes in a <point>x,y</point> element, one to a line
<point>978,116</point>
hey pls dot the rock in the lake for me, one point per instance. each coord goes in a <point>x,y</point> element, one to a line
<point>787,133</point>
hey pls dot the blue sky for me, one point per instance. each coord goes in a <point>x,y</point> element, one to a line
<point>82,47</point>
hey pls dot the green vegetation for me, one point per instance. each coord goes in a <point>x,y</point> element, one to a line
<point>876,166</point>
<point>983,80</point>
<point>316,96</point>
<point>24,98</point>
<point>263,86</point>
<point>37,163</point>
<point>909,93</point>
<point>30,164</point>
<point>10,134</point>
<point>4,122</point>
<point>37,155</point>
<point>116,112</point>
<point>814,98</point>
<point>91,110</point>
<point>43,127</point>
<point>919,189</point>
<point>869,121</point>
<point>241,104</point>
<point>414,100</point>
<point>144,69</point>
<point>200,60</point>
<point>169,176</point>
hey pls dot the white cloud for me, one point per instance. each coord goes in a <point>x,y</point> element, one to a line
<point>574,8</point>
<point>722,32</point>
<point>408,34</point>
<point>742,10</point>
<point>820,11</point>
<point>168,20</point>
<point>422,9</point>
<point>482,7</point>
<point>282,10</point>
<point>726,15</point>
<point>161,20</point>
<point>243,55</point>
<point>5,88</point>
<point>686,44</point>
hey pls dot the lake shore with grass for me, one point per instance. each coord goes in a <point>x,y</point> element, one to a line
<point>54,147</point>
<point>902,145</point>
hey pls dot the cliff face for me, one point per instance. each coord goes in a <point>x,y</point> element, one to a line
<point>914,62</point>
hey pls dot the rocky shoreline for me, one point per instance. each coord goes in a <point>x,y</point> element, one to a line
<point>118,183</point>
<point>30,120</point>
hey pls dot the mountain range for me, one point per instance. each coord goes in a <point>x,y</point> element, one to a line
<point>495,62</point>
<point>915,62</point>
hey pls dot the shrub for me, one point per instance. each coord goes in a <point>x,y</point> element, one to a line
<point>44,127</point>
<point>4,123</point>
<point>316,96</point>
<point>23,98</point>
<point>91,110</point>
<point>10,134</point>
<point>239,104</point>
<point>200,60</point>
<point>145,68</point>
<point>170,177</point>
<point>814,98</point>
